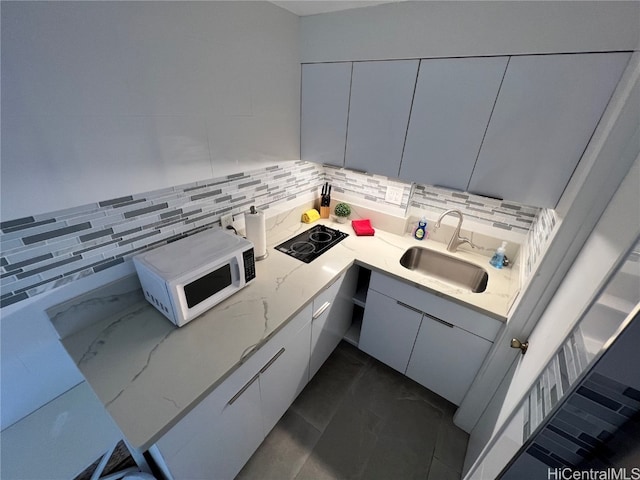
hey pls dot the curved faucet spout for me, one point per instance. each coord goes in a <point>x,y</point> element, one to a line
<point>456,239</point>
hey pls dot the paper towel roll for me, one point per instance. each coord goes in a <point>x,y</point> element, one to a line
<point>257,233</point>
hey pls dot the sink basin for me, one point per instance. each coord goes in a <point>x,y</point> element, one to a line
<point>443,267</point>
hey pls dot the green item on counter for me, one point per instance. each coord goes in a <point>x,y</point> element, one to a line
<point>342,210</point>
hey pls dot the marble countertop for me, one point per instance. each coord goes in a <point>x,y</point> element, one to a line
<point>149,373</point>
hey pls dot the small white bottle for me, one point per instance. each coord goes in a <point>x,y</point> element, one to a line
<point>498,258</point>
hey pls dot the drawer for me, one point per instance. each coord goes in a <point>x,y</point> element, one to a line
<point>447,310</point>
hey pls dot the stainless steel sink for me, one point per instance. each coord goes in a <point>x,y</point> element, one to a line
<point>450,269</point>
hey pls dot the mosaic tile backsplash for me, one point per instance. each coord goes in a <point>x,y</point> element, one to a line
<point>372,188</point>
<point>45,251</point>
<point>538,239</point>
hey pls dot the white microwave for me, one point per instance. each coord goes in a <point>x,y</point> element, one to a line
<point>186,278</point>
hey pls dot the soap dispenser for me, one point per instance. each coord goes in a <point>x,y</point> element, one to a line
<point>421,229</point>
<point>497,260</point>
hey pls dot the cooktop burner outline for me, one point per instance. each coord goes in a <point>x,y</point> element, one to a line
<point>320,237</point>
<point>310,244</point>
<point>303,247</point>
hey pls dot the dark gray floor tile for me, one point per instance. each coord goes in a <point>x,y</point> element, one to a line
<point>353,352</point>
<point>451,446</point>
<point>442,404</point>
<point>378,388</point>
<point>406,442</point>
<point>321,398</point>
<point>283,452</point>
<point>345,446</point>
<point>439,471</point>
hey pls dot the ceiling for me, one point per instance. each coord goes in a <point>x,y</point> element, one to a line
<point>313,7</point>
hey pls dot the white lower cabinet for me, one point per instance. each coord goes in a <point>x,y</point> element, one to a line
<point>284,378</point>
<point>332,315</point>
<point>446,358</point>
<point>217,437</point>
<point>220,434</point>
<point>389,330</point>
<point>435,342</point>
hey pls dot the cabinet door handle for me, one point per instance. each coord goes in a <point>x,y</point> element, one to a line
<point>243,389</point>
<point>270,362</point>
<point>321,310</point>
<point>409,307</point>
<point>450,325</point>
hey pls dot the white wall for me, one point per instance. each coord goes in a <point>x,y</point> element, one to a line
<point>104,99</point>
<point>441,29</point>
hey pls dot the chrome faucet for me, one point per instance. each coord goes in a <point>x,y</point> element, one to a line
<point>456,239</point>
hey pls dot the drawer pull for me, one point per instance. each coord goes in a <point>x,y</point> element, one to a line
<point>409,307</point>
<point>243,389</point>
<point>321,310</point>
<point>450,325</point>
<point>270,362</point>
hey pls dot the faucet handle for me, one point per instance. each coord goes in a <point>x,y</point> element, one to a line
<point>467,240</point>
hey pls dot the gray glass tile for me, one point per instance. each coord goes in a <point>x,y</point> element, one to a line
<point>108,264</point>
<point>248,184</point>
<point>29,225</point>
<point>632,393</point>
<point>13,299</point>
<point>127,232</point>
<point>140,237</point>
<point>94,247</point>
<point>212,193</point>
<point>16,222</point>
<point>114,201</point>
<point>172,213</point>
<point>94,235</point>
<point>55,233</point>
<point>30,261</point>
<point>502,226</point>
<point>49,266</point>
<point>142,211</point>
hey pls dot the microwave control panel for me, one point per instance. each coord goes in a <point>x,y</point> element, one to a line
<point>249,265</point>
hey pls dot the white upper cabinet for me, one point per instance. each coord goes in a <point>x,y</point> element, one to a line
<point>381,95</point>
<point>451,109</point>
<point>545,114</point>
<point>324,110</point>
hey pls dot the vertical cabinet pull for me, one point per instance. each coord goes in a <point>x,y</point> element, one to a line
<point>273,359</point>
<point>321,310</point>
<point>243,389</point>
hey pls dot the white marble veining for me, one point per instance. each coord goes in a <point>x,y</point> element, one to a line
<point>149,373</point>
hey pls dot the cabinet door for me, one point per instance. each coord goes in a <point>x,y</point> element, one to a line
<point>389,330</point>
<point>332,313</point>
<point>445,358</point>
<point>546,112</point>
<point>451,109</point>
<point>217,437</point>
<point>324,110</point>
<point>381,94</point>
<point>286,374</point>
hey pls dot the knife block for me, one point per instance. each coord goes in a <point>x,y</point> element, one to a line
<point>324,212</point>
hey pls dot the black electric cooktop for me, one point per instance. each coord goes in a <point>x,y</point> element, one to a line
<point>309,245</point>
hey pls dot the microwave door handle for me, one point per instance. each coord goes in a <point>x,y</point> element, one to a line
<point>238,276</point>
